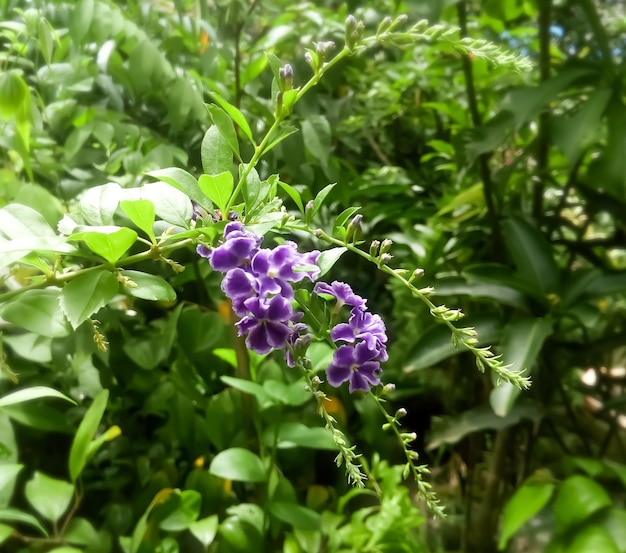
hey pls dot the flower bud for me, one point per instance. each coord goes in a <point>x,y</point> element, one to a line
<point>354,29</point>
<point>285,74</point>
<point>322,49</point>
<point>374,248</point>
<point>308,57</point>
<point>385,246</point>
<point>385,259</point>
<point>390,387</point>
<point>384,25</point>
<point>401,413</point>
<point>318,232</point>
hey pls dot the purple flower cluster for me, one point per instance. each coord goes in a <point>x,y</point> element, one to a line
<point>364,340</point>
<point>259,283</point>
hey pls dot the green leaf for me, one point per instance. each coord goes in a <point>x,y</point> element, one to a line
<point>296,515</point>
<point>141,212</point>
<point>458,286</point>
<point>321,196</point>
<point>184,514</point>
<point>614,523</point>
<point>149,287</point>
<point>522,340</point>
<point>98,204</point>
<point>254,191</point>
<point>183,181</point>
<point>170,204</point>
<point>14,94</point>
<point>218,188</point>
<point>205,529</point>
<point>86,294</point>
<point>45,39</point>
<point>80,20</point>
<point>592,538</point>
<point>65,549</point>
<point>108,242</point>
<point>48,496</point>
<point>316,134</point>
<point>8,478</point>
<point>225,125</point>
<point>30,394</point>
<point>526,502</point>
<point>21,221</point>
<point>238,464</point>
<point>293,194</point>
<point>79,453</point>
<point>297,434</point>
<point>199,331</point>
<point>283,133</point>
<point>217,156</point>
<point>37,311</point>
<point>235,115</point>
<point>435,345</point>
<point>328,258</point>
<point>39,416</point>
<point>578,498</point>
<point>532,254</point>
<point>9,514</point>
<point>249,387</point>
<point>6,532</point>
<point>80,531</point>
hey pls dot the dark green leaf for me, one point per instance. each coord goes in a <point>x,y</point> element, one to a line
<point>185,514</point>
<point>225,125</point>
<point>86,294</point>
<point>296,515</point>
<point>13,515</point>
<point>321,196</point>
<point>316,135</point>
<point>293,194</point>
<point>254,191</point>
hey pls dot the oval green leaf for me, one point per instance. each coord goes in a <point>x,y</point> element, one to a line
<point>149,287</point>
<point>238,464</point>
<point>578,498</point>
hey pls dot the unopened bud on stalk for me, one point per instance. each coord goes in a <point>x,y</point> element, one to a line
<point>285,74</point>
<point>400,413</point>
<point>322,48</point>
<point>384,25</point>
<point>385,246</point>
<point>374,248</point>
<point>354,29</point>
<point>390,387</point>
<point>418,273</point>
<point>385,259</point>
<point>354,227</point>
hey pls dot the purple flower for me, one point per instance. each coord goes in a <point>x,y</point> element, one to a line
<point>341,292</point>
<point>362,325</point>
<point>358,365</point>
<point>239,285</point>
<point>267,325</point>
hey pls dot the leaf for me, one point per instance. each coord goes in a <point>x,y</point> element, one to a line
<point>225,125</point>
<point>297,434</point>
<point>283,133</point>
<point>183,181</point>
<point>37,311</point>
<point>238,464</point>
<point>9,514</point>
<point>235,115</point>
<point>296,515</point>
<point>216,153</point>
<point>458,286</point>
<point>14,95</point>
<point>249,387</point>
<point>522,340</point>
<point>316,134</point>
<point>80,20</point>
<point>592,538</point>
<point>532,254</point>
<point>614,523</point>
<point>578,498</point>
<point>80,531</point>
<point>451,430</point>
<point>79,453</point>
<point>48,496</point>
<point>575,134</point>
<point>6,532</point>
<point>30,394</point>
<point>86,294</point>
<point>218,188</point>
<point>8,478</point>
<point>108,242</point>
<point>149,287</point>
<point>141,212</point>
<point>205,529</point>
<point>254,191</point>
<point>185,514</point>
<point>170,204</point>
<point>98,204</point>
<point>293,194</point>
<point>435,344</point>
<point>321,196</point>
<point>328,258</point>
<point>21,221</point>
<point>526,502</point>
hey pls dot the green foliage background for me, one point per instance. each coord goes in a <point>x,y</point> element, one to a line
<point>507,187</point>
